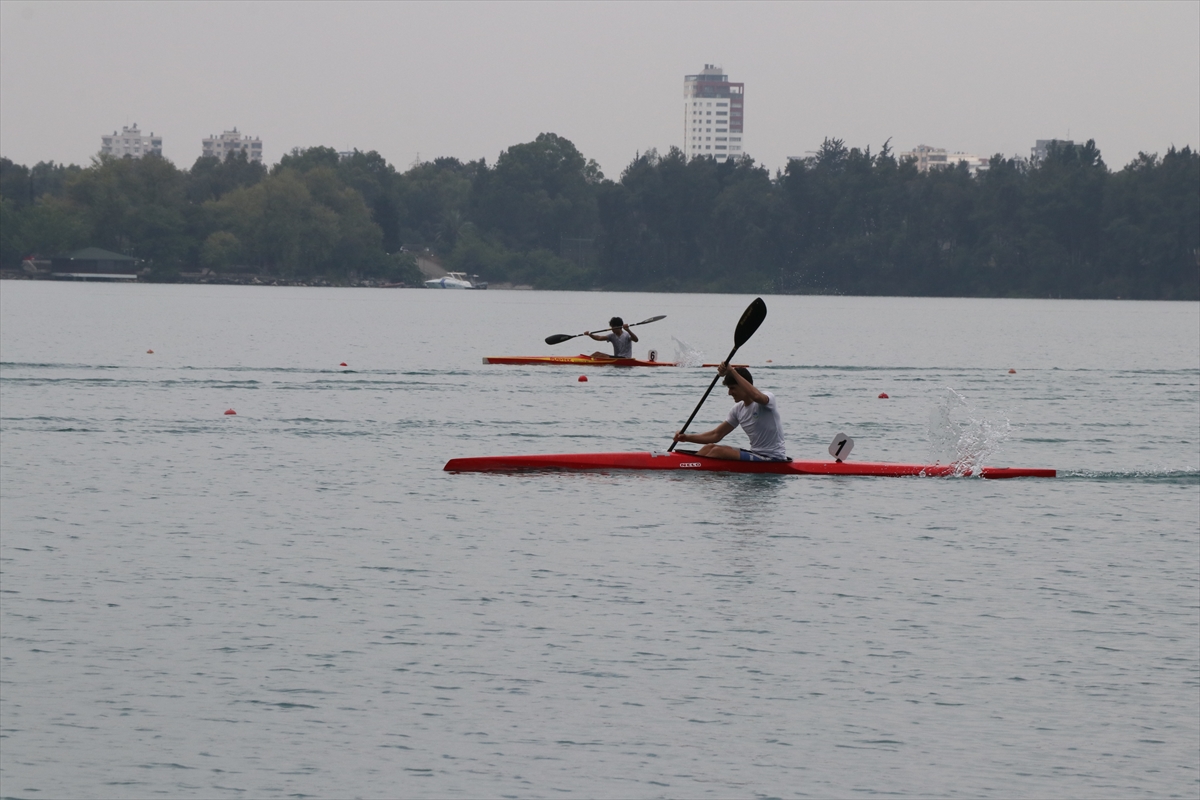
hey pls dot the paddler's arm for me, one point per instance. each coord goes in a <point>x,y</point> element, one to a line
<point>603,338</point>
<point>710,437</point>
<point>632,335</point>
<point>754,393</point>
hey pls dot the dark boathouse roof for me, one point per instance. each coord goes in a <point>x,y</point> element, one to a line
<point>93,261</point>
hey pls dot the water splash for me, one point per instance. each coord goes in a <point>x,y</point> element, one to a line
<point>958,435</point>
<point>1186,476</point>
<point>686,355</point>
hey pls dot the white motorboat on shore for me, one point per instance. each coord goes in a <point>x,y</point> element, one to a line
<point>455,280</point>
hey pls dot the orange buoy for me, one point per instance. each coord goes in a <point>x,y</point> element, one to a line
<point>342,364</point>
<point>1012,372</point>
<point>149,351</point>
<point>230,413</point>
<point>768,361</point>
<point>883,396</point>
<point>583,378</point>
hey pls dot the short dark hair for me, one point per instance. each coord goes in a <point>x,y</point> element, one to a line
<point>745,373</point>
<point>616,322</point>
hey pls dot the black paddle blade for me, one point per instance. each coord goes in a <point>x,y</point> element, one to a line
<point>559,338</point>
<point>752,317</point>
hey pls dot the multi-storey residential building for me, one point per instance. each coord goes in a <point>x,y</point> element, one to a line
<point>230,142</point>
<point>130,142</point>
<point>713,114</point>
<point>928,158</point>
<point>1037,153</point>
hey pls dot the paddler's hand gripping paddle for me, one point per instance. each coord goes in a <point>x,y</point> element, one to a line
<point>559,338</point>
<point>752,317</point>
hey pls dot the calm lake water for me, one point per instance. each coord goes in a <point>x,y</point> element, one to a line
<point>297,600</point>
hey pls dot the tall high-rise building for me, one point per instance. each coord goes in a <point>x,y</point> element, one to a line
<point>713,111</point>
<point>130,142</point>
<point>229,142</point>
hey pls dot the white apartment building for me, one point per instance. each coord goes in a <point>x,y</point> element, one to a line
<point>928,158</point>
<point>130,142</point>
<point>222,146</point>
<point>713,114</point>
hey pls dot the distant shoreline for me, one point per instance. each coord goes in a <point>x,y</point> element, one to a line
<point>8,275</point>
<point>245,280</point>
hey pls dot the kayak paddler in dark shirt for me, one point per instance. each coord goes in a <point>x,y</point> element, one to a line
<point>621,337</point>
<point>755,411</point>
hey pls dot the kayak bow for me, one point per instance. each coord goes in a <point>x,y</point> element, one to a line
<point>692,462</point>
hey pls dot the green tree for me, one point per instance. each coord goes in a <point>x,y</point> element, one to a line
<point>302,159</point>
<point>212,178</point>
<point>15,184</point>
<point>134,206</point>
<point>283,230</point>
<point>221,250</point>
<point>539,192</point>
<point>359,243</point>
<point>378,182</point>
<point>302,225</point>
<point>402,268</point>
<point>435,201</point>
<point>843,220</point>
<point>1151,237</point>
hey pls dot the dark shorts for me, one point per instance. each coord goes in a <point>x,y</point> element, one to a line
<point>750,455</point>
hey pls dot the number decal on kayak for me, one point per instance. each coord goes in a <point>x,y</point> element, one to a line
<point>840,447</point>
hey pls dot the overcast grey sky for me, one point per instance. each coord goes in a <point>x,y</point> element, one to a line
<point>470,79</point>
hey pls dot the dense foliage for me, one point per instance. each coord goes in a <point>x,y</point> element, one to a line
<point>843,221</point>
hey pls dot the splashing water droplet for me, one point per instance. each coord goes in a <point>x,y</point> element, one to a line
<point>686,355</point>
<point>959,435</point>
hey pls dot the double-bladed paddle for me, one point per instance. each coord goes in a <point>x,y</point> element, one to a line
<point>752,317</point>
<point>559,338</point>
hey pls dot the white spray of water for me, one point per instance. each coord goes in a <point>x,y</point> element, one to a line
<point>958,435</point>
<point>686,355</point>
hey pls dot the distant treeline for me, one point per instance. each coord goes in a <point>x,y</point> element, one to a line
<point>845,221</point>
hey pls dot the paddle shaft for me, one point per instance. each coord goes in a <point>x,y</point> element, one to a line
<point>707,392</point>
<point>751,318</point>
<point>559,338</point>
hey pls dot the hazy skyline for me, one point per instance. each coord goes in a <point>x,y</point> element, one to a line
<point>471,79</point>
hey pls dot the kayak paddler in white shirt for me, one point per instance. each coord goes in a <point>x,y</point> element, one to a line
<point>755,411</point>
<point>621,337</point>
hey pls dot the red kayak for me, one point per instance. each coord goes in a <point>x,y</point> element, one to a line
<point>690,461</point>
<point>582,360</point>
